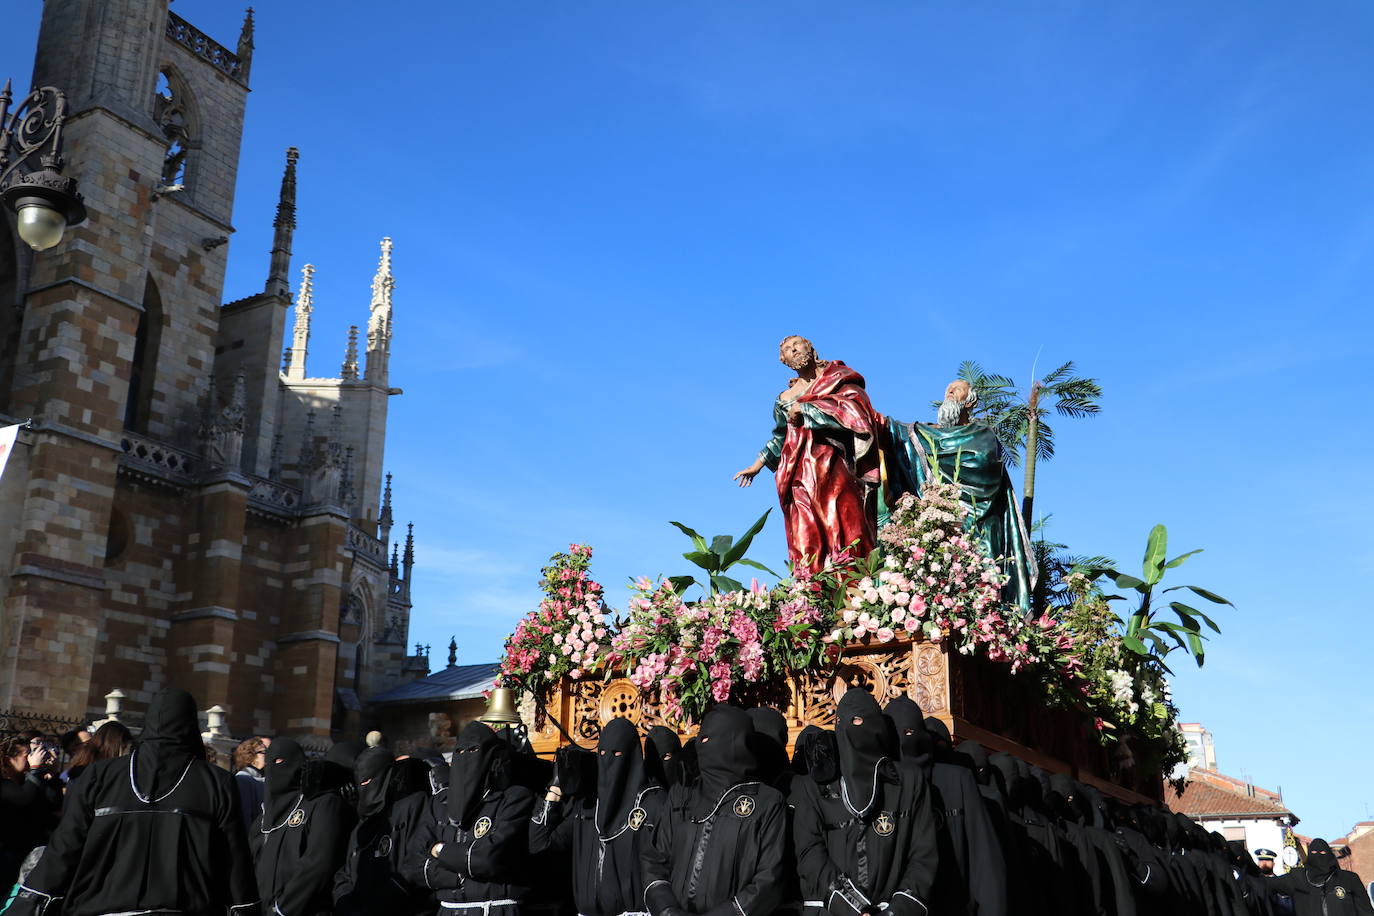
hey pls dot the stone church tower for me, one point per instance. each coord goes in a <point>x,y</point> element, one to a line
<point>185,510</point>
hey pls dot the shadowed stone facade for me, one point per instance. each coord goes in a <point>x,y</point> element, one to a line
<point>185,510</point>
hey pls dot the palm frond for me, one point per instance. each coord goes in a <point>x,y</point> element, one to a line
<point>1044,442</point>
<point>1057,375</point>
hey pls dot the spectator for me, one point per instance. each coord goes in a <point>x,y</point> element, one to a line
<point>109,741</point>
<point>250,763</point>
<point>26,808</point>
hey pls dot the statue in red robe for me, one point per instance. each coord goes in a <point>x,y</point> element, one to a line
<point>824,453</point>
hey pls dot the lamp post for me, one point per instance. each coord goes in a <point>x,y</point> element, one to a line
<point>43,201</point>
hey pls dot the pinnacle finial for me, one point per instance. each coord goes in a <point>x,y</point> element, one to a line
<point>408,557</point>
<point>300,336</point>
<point>350,363</point>
<point>284,227</point>
<point>453,651</point>
<point>245,47</point>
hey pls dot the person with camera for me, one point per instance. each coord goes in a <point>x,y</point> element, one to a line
<point>26,801</point>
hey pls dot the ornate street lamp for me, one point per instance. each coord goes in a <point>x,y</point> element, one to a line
<point>42,200</point>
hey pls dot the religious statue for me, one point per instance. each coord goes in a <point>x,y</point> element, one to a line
<point>824,454</point>
<point>970,454</point>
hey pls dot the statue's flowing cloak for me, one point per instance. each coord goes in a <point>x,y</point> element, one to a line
<point>972,456</point>
<point>827,470</point>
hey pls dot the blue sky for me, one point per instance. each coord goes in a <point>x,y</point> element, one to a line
<point>606,215</point>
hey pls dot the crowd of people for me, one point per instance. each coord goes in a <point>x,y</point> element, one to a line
<point>881,815</point>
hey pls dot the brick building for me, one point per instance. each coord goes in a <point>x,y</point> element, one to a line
<point>190,506</point>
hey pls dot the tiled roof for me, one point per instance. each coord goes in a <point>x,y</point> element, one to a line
<point>1212,798</point>
<point>461,682</point>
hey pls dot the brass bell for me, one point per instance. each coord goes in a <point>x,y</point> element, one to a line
<point>501,708</point>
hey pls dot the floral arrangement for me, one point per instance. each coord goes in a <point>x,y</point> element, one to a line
<point>567,635</point>
<point>929,579</point>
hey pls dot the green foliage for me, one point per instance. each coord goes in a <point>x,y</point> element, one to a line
<point>1054,566</point>
<point>1147,635</point>
<point>717,557</point>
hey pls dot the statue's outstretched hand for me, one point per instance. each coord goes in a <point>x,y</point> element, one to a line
<point>746,476</point>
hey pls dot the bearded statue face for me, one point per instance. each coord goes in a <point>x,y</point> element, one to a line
<point>796,352</point>
<point>959,398</point>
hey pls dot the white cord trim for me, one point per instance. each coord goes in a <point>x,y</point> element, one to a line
<point>872,796</point>
<point>133,784</point>
<point>295,806</point>
<point>913,898</point>
<point>721,801</point>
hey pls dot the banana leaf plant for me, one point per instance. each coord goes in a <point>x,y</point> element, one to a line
<point>717,557</point>
<point>1145,633</point>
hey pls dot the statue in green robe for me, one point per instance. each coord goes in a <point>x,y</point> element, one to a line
<point>969,453</point>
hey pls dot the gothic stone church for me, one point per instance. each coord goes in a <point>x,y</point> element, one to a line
<point>190,506</point>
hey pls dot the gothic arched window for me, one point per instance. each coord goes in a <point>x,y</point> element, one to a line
<point>174,112</point>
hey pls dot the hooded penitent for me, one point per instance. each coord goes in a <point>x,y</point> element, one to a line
<point>478,764</point>
<point>619,775</point>
<point>770,743</point>
<point>724,757</point>
<point>284,778</point>
<point>663,757</point>
<point>372,774</point>
<point>169,742</point>
<point>1321,861</point>
<point>913,741</point>
<point>815,754</point>
<point>862,739</point>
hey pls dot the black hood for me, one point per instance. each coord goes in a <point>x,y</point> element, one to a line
<point>1064,799</point>
<point>770,742</point>
<point>169,742</point>
<point>373,772</point>
<point>1004,765</point>
<point>816,755</point>
<point>913,741</point>
<point>283,780</point>
<point>941,742</point>
<point>978,759</point>
<point>1321,861</point>
<point>663,757</point>
<point>619,775</point>
<point>480,762</point>
<point>724,755</point>
<point>863,747</point>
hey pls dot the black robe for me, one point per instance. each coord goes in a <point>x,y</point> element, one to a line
<point>867,838</point>
<point>370,880</point>
<point>717,848</point>
<point>158,829</point>
<point>604,829</point>
<point>483,827</point>
<point>1322,889</point>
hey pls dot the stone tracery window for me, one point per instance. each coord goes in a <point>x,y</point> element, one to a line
<point>173,110</point>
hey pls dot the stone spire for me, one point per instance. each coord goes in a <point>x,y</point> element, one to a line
<point>245,48</point>
<point>300,337</point>
<point>453,651</point>
<point>408,556</point>
<point>379,322</point>
<point>395,562</point>
<point>350,363</point>
<point>384,517</point>
<point>284,227</point>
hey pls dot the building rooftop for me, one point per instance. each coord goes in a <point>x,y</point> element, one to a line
<point>457,682</point>
<point>1209,794</point>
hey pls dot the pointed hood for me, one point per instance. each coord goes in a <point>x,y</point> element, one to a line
<point>373,772</point>
<point>770,742</point>
<point>724,756</point>
<point>283,780</point>
<point>816,754</point>
<point>619,775</point>
<point>480,763</point>
<point>663,757</point>
<point>914,744</point>
<point>169,742</point>
<point>862,737</point>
